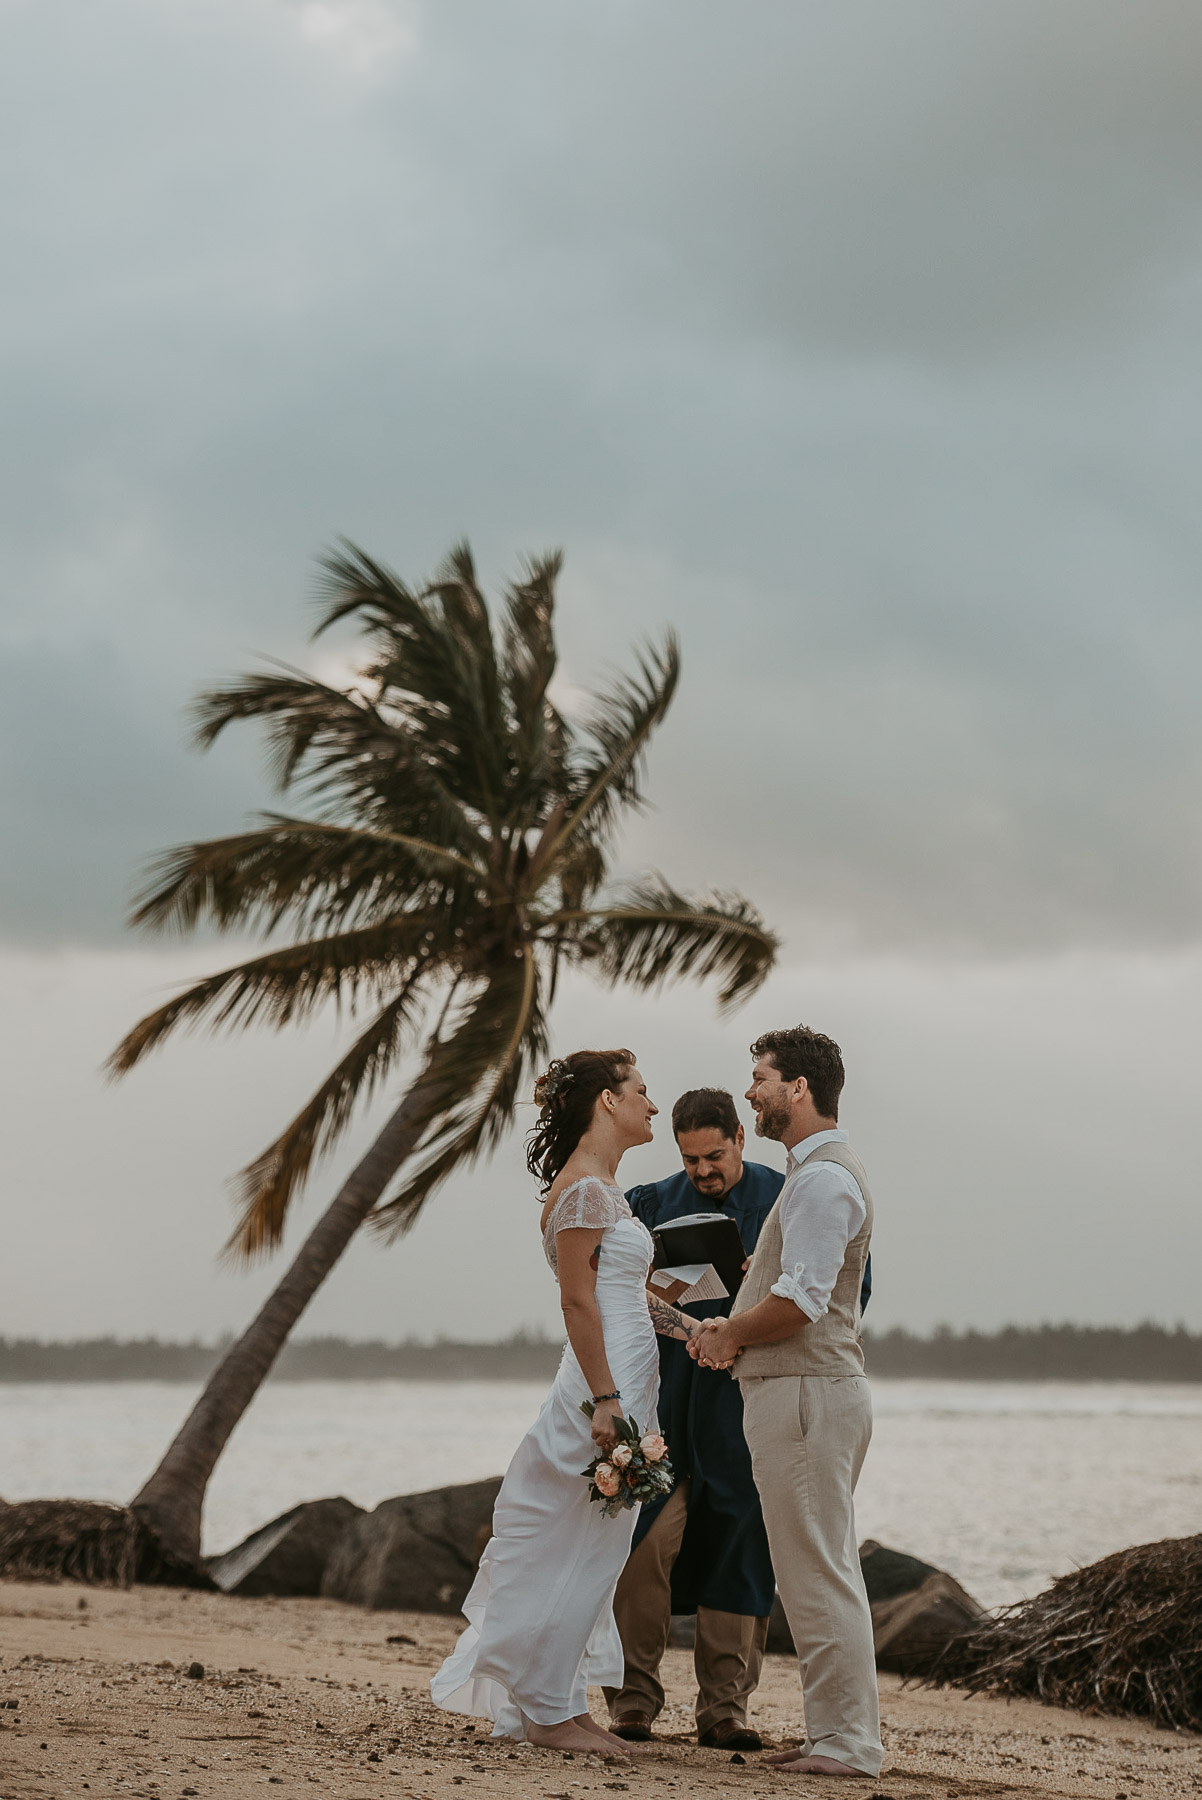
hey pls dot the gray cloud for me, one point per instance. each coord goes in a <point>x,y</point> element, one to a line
<point>857,341</point>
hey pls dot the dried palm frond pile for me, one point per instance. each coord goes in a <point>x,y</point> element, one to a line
<point>1123,1635</point>
<point>86,1540</point>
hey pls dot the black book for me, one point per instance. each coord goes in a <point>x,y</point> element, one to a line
<point>709,1237</point>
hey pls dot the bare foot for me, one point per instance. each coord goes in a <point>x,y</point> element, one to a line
<point>587,1722</point>
<point>779,1757</point>
<point>571,1735</point>
<point>817,1765</point>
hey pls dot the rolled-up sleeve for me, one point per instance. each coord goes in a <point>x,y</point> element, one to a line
<point>821,1211</point>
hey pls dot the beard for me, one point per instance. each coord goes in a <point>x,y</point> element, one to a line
<point>772,1120</point>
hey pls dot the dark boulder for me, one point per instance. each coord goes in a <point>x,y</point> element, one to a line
<point>289,1555</point>
<point>910,1632</point>
<point>890,1573</point>
<point>916,1610</point>
<point>417,1553</point>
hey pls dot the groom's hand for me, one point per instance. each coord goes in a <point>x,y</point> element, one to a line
<point>716,1344</point>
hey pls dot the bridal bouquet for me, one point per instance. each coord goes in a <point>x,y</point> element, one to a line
<point>636,1469</point>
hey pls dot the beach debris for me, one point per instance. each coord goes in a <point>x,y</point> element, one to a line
<point>195,1671</point>
<point>1121,1636</point>
<point>86,1540</point>
<point>402,1637</point>
<point>415,1553</point>
<point>288,1556</point>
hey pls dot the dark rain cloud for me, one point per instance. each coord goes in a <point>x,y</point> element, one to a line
<point>856,341</point>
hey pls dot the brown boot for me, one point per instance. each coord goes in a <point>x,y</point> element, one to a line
<point>728,1734</point>
<point>634,1727</point>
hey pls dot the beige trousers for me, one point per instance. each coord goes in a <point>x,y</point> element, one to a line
<point>807,1436</point>
<point>729,1650</point>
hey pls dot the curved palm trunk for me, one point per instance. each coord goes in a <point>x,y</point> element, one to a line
<point>172,1499</point>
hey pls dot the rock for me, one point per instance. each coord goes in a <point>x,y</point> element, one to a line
<point>888,1573</point>
<point>289,1555</point>
<point>417,1553</point>
<point>909,1631</point>
<point>195,1671</point>
<point>916,1609</point>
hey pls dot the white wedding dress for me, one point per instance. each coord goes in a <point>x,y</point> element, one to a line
<point>541,1626</point>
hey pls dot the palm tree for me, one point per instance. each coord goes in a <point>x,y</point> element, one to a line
<point>449,864</point>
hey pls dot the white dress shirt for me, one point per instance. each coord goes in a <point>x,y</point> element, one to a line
<point>821,1209</point>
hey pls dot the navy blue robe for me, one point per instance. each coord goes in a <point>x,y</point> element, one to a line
<point>724,1561</point>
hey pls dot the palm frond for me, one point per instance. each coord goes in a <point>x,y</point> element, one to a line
<point>311,870</point>
<point>353,583</point>
<point>655,934</point>
<point>297,708</point>
<point>435,663</point>
<point>528,642</point>
<point>291,984</point>
<point>498,1037</point>
<point>607,779</point>
<point>267,1185</point>
<point>538,733</point>
<point>478,710</point>
<point>374,757</point>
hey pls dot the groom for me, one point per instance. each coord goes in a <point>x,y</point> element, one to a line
<point>794,1338</point>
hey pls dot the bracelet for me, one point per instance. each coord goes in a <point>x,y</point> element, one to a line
<point>598,1398</point>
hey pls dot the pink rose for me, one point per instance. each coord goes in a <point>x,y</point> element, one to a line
<point>653,1447</point>
<point>607,1479</point>
<point>620,1455</point>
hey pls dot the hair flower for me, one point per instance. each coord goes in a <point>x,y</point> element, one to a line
<point>548,1087</point>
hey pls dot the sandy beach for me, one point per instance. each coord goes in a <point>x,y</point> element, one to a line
<point>312,1696</point>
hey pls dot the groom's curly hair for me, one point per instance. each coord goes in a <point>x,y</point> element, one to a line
<point>798,1051</point>
<point>567,1095</point>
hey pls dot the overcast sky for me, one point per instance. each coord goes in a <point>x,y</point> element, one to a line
<point>859,342</point>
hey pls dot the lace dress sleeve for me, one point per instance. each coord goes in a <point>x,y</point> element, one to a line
<point>586,1205</point>
<point>589,1204</point>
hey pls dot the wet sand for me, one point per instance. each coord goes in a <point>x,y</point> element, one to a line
<point>311,1697</point>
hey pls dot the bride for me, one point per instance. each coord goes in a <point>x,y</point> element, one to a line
<point>540,1612</point>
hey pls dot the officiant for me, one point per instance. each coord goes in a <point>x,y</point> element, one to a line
<point>703,1548</point>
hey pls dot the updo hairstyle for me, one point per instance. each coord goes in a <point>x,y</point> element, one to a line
<point>566,1096</point>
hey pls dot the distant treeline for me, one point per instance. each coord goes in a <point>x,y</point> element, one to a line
<point>1018,1353</point>
<point>1041,1353</point>
<point>522,1357</point>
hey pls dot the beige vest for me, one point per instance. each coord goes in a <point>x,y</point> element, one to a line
<point>826,1346</point>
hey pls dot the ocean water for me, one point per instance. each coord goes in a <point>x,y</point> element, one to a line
<point>1006,1485</point>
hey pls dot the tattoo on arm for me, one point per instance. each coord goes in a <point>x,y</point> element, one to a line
<point>668,1320</point>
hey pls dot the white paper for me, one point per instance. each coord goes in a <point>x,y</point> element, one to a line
<point>704,1281</point>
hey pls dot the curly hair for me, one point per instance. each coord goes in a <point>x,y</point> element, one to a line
<point>566,1095</point>
<point>799,1051</point>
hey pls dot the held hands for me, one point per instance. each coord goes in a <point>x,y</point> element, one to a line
<point>714,1344</point>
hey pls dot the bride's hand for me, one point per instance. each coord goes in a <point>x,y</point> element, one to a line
<point>604,1414</point>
